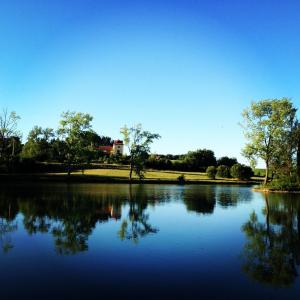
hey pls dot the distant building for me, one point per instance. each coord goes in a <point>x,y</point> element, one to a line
<point>116,148</point>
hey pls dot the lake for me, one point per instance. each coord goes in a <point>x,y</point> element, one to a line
<point>93,241</point>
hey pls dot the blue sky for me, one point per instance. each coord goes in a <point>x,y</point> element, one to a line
<point>185,69</point>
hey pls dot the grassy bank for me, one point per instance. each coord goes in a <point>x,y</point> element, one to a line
<point>121,176</point>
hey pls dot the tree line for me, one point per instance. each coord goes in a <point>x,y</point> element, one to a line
<point>74,145</point>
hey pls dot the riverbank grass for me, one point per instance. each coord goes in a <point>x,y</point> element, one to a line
<point>155,175</point>
<point>284,184</point>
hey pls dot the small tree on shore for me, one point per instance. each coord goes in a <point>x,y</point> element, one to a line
<point>72,128</point>
<point>241,172</point>
<point>138,142</point>
<point>211,172</point>
<point>223,171</point>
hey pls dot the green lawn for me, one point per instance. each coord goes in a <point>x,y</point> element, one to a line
<point>151,175</point>
<point>148,175</point>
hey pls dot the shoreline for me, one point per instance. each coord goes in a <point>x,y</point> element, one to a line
<point>32,178</point>
<point>265,190</point>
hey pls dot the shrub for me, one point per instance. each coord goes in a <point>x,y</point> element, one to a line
<point>223,171</point>
<point>285,183</point>
<point>211,172</point>
<point>241,172</point>
<point>181,179</point>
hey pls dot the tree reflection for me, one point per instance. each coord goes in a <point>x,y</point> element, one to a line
<point>136,225</point>
<point>8,212</point>
<point>200,200</point>
<point>230,196</point>
<point>272,250</point>
<point>69,217</point>
<point>6,228</point>
<point>70,214</point>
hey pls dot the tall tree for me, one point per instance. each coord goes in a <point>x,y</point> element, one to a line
<point>39,144</point>
<point>227,161</point>
<point>73,126</point>
<point>9,135</point>
<point>268,127</point>
<point>138,142</point>
<point>200,159</point>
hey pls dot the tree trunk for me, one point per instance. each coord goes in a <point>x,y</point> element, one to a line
<point>13,147</point>
<point>69,168</point>
<point>269,237</point>
<point>298,157</point>
<point>267,174</point>
<point>131,166</point>
<point>130,173</point>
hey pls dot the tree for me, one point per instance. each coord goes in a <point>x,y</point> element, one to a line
<point>95,140</point>
<point>241,172</point>
<point>268,125</point>
<point>9,135</point>
<point>200,159</point>
<point>227,161</point>
<point>73,126</point>
<point>138,142</point>
<point>39,144</point>
<point>211,172</point>
<point>223,171</point>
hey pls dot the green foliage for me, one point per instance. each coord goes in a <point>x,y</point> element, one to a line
<point>39,144</point>
<point>259,172</point>
<point>10,137</point>
<point>269,126</point>
<point>200,159</point>
<point>211,172</point>
<point>73,128</point>
<point>223,171</point>
<point>138,142</point>
<point>227,161</point>
<point>284,183</point>
<point>240,171</point>
<point>159,163</point>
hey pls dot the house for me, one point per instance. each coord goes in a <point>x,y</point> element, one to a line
<point>116,148</point>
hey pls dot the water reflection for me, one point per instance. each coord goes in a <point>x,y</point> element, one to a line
<point>8,212</point>
<point>272,251</point>
<point>202,201</point>
<point>70,213</point>
<point>136,225</point>
<point>230,196</point>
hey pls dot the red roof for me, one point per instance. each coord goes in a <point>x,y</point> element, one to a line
<point>118,142</point>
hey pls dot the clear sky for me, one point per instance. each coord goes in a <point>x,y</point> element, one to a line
<point>184,69</point>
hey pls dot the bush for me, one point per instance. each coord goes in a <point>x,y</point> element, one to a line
<point>284,183</point>
<point>181,179</point>
<point>223,171</point>
<point>211,172</point>
<point>241,172</point>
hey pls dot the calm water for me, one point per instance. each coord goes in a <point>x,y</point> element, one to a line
<point>100,241</point>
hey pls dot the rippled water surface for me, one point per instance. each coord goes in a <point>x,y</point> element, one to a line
<point>98,241</point>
